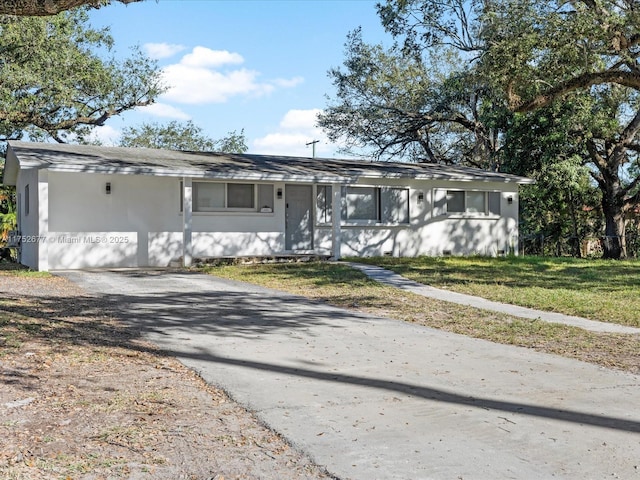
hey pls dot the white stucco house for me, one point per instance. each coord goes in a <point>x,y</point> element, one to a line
<point>87,206</point>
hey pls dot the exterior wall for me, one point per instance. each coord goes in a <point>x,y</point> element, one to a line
<point>228,234</point>
<point>140,224</point>
<point>431,232</point>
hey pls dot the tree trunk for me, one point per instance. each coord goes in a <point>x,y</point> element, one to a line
<point>614,242</point>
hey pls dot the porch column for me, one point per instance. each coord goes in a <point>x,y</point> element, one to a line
<point>42,196</point>
<point>187,227</point>
<point>336,220</point>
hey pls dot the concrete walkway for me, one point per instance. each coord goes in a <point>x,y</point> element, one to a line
<point>388,277</point>
<point>374,398</point>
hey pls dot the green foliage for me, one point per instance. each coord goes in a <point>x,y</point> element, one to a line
<point>56,79</point>
<point>596,289</point>
<point>177,136</point>
<point>546,89</point>
<point>8,216</point>
<point>423,107</point>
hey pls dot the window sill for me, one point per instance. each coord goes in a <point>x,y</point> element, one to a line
<point>474,216</point>
<point>363,224</point>
<point>242,213</point>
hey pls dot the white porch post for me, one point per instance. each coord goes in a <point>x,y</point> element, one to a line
<point>187,227</point>
<point>42,196</point>
<point>336,220</point>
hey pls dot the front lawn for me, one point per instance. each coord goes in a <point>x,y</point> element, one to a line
<point>604,290</point>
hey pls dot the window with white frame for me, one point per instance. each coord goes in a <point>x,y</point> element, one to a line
<point>237,197</point>
<point>377,204</point>
<point>323,204</point>
<point>472,202</point>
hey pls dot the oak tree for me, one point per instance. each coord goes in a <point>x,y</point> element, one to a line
<point>37,8</point>
<point>526,55</point>
<point>57,77</point>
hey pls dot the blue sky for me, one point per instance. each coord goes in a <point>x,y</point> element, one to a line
<point>260,65</point>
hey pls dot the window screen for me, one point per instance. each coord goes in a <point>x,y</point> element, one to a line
<point>208,196</point>
<point>240,195</point>
<point>494,203</point>
<point>362,203</point>
<point>455,202</point>
<point>476,202</point>
<point>265,197</point>
<point>323,204</point>
<point>395,205</point>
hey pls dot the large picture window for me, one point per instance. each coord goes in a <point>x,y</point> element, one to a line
<point>376,204</point>
<point>219,197</point>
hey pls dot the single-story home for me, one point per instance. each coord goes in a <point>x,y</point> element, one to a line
<point>91,206</point>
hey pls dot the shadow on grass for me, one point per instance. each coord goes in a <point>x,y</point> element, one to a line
<point>217,311</point>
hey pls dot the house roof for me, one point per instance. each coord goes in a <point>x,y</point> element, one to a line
<point>144,161</point>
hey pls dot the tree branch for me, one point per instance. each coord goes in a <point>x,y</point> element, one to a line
<point>39,8</point>
<point>626,79</point>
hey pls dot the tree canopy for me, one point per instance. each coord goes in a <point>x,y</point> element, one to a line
<point>55,79</point>
<point>504,69</point>
<point>37,8</point>
<point>421,107</point>
<point>181,136</point>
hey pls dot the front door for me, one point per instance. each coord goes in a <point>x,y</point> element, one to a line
<point>299,217</point>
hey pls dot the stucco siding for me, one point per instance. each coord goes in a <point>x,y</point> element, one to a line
<point>139,223</point>
<point>79,202</point>
<point>430,231</point>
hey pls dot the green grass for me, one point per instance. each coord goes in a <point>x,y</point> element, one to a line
<point>340,285</point>
<point>603,290</point>
<point>17,270</point>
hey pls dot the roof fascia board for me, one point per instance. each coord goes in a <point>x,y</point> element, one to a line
<point>450,178</point>
<point>196,174</point>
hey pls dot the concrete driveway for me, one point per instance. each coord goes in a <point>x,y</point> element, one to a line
<point>373,398</point>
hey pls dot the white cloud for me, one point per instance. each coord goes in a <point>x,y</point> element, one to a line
<point>202,57</point>
<point>288,83</point>
<point>296,129</point>
<point>201,77</point>
<point>108,136</point>
<point>200,85</point>
<point>162,50</point>
<point>300,119</point>
<point>165,111</point>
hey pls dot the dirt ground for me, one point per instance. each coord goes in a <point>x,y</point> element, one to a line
<point>81,397</point>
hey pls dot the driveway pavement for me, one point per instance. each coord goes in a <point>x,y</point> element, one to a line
<point>373,398</point>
